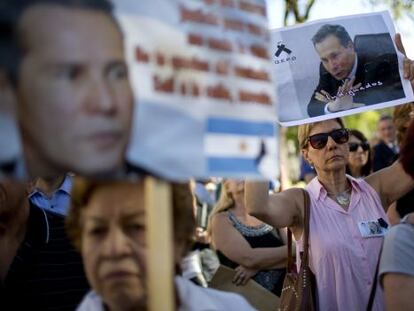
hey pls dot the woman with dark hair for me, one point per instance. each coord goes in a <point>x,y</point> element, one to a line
<point>402,116</point>
<point>407,152</point>
<point>396,271</point>
<point>359,158</point>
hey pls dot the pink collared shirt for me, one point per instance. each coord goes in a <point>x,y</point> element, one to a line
<point>342,260</point>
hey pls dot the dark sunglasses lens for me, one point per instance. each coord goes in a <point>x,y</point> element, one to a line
<point>365,146</point>
<point>340,136</point>
<point>353,147</point>
<point>318,141</point>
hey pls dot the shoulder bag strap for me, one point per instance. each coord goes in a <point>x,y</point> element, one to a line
<point>306,217</point>
<point>289,249</point>
<point>374,284</point>
<point>305,237</point>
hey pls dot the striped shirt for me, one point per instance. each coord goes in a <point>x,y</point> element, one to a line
<point>47,273</point>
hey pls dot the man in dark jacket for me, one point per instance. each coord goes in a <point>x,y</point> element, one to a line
<point>386,151</point>
<point>39,267</point>
<point>354,74</point>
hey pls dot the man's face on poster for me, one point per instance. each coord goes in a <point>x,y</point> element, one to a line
<point>337,59</point>
<point>73,92</point>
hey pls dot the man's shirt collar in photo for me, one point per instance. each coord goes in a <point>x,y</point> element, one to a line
<point>60,200</point>
<point>354,68</point>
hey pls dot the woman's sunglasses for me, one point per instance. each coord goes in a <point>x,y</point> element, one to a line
<point>319,141</point>
<point>354,146</point>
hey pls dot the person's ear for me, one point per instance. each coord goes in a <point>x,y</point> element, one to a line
<point>305,154</point>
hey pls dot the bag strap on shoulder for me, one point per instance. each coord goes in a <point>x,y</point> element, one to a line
<point>289,247</point>
<point>306,217</point>
<point>306,221</point>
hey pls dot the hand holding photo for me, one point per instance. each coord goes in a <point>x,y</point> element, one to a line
<point>359,68</point>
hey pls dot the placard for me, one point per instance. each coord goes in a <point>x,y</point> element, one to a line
<point>337,67</point>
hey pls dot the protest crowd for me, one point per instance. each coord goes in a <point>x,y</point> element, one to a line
<point>74,208</point>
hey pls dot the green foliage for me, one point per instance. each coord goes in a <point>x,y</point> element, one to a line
<point>399,8</point>
<point>365,122</point>
<point>299,10</point>
<point>292,134</point>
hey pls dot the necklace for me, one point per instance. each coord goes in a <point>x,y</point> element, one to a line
<point>342,198</point>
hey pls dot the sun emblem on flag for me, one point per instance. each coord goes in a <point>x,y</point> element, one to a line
<point>243,146</point>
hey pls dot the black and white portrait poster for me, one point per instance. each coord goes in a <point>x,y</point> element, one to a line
<point>337,67</point>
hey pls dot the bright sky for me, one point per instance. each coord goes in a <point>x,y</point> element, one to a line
<point>329,8</point>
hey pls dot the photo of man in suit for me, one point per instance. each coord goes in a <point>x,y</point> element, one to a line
<point>353,73</point>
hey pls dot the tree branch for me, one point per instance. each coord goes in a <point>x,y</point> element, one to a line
<point>309,6</point>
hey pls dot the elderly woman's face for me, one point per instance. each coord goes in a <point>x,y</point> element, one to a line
<point>359,157</point>
<point>333,155</point>
<point>113,245</point>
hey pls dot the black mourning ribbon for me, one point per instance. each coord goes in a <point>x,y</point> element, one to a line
<point>282,48</point>
<point>262,153</point>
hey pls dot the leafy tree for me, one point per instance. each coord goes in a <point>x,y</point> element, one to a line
<point>366,122</point>
<point>399,8</point>
<point>293,8</point>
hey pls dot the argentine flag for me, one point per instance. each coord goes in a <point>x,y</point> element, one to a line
<point>235,147</point>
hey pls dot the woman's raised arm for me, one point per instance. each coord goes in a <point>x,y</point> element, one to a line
<point>284,209</point>
<point>391,183</point>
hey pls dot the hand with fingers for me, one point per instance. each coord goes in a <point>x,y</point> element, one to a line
<point>408,64</point>
<point>343,99</point>
<point>243,275</point>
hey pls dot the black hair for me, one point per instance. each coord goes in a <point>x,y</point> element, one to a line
<point>384,117</point>
<point>405,204</point>
<point>10,13</point>
<point>335,30</point>
<point>367,168</point>
<point>407,151</point>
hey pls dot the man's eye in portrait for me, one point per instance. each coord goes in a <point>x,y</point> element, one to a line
<point>68,72</point>
<point>118,71</point>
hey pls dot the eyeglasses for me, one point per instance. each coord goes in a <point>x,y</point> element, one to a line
<point>319,141</point>
<point>354,146</point>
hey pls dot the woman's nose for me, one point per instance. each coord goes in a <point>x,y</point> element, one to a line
<point>117,243</point>
<point>331,143</point>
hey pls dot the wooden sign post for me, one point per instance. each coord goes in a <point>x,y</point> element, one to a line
<point>160,257</point>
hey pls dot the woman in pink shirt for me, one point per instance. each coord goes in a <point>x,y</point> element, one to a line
<point>347,219</point>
